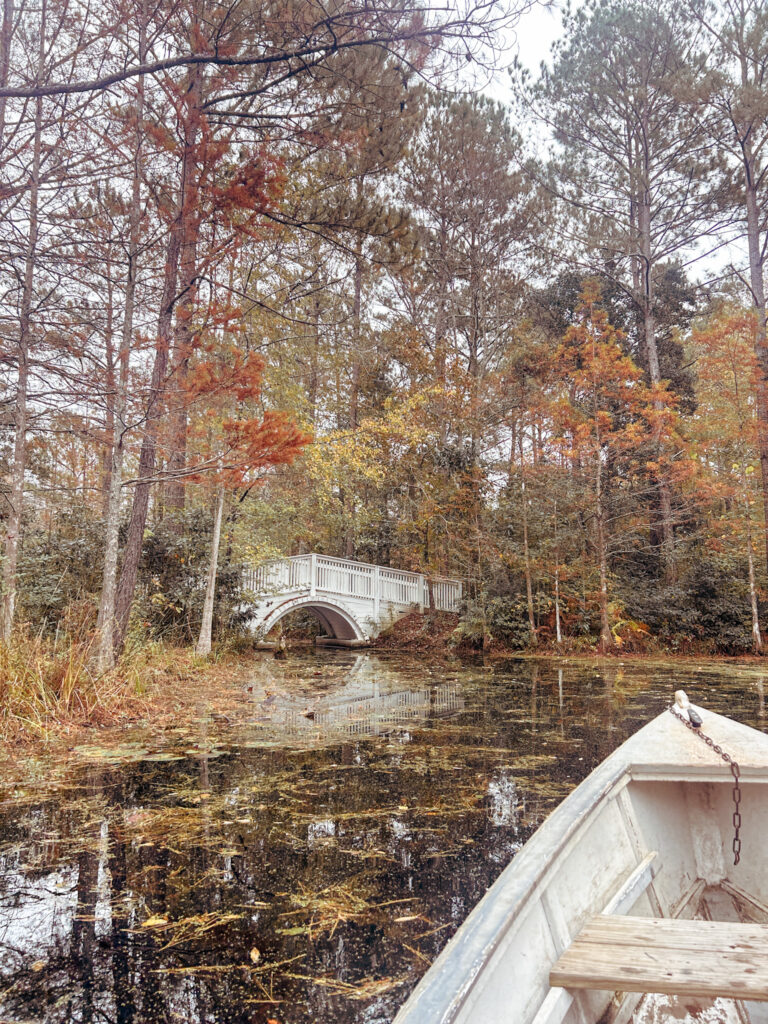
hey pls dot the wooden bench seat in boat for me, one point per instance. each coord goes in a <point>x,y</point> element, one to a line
<point>669,955</point>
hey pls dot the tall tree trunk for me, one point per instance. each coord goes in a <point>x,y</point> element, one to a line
<point>314,363</point>
<point>204,641</point>
<point>558,631</point>
<point>757,288</point>
<point>132,550</point>
<point>654,370</point>
<point>757,640</point>
<point>526,550</point>
<point>110,390</point>
<point>354,386</point>
<point>441,333</point>
<point>606,639</point>
<point>188,271</point>
<point>19,463</point>
<point>105,657</point>
<point>357,303</point>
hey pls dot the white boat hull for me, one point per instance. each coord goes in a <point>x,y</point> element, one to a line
<point>647,833</point>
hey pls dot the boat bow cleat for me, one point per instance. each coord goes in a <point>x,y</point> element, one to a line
<point>681,699</point>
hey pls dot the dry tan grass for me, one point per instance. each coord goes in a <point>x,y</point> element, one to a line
<point>49,691</point>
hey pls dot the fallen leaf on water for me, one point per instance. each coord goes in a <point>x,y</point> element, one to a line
<point>255,955</point>
<point>38,965</point>
<point>154,922</point>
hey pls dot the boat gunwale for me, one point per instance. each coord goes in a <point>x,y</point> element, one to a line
<point>437,998</point>
<point>511,893</point>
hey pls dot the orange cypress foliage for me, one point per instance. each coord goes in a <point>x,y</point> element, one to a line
<point>255,186</point>
<point>226,442</point>
<point>610,425</point>
<point>256,444</point>
<point>728,438</point>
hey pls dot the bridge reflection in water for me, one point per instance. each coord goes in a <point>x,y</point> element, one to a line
<point>364,701</point>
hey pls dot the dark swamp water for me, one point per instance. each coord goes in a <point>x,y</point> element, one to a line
<point>308,866</point>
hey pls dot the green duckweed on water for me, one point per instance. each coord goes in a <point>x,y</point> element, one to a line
<point>309,864</point>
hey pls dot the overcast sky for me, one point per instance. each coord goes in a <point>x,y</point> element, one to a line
<point>536,32</point>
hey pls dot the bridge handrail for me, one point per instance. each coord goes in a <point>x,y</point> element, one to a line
<point>348,578</point>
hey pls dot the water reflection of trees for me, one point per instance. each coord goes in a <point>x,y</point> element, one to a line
<point>129,853</point>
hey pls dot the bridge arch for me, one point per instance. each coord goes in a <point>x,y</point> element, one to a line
<point>338,620</point>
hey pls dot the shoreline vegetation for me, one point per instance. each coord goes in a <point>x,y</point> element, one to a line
<point>51,696</point>
<point>441,632</point>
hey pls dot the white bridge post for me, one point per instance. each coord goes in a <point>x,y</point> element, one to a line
<point>312,574</point>
<point>376,593</point>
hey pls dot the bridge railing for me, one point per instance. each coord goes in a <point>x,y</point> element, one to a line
<point>280,575</point>
<point>446,594</point>
<point>346,578</point>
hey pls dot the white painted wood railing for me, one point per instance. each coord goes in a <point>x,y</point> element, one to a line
<point>345,578</point>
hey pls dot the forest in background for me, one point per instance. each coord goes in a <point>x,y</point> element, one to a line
<point>272,282</point>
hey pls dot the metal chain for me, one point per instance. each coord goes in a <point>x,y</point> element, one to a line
<point>734,766</point>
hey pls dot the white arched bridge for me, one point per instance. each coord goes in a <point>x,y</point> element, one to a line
<point>353,601</point>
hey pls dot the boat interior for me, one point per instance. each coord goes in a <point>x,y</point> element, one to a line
<point>629,904</point>
<point>684,936</point>
<point>717,903</point>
